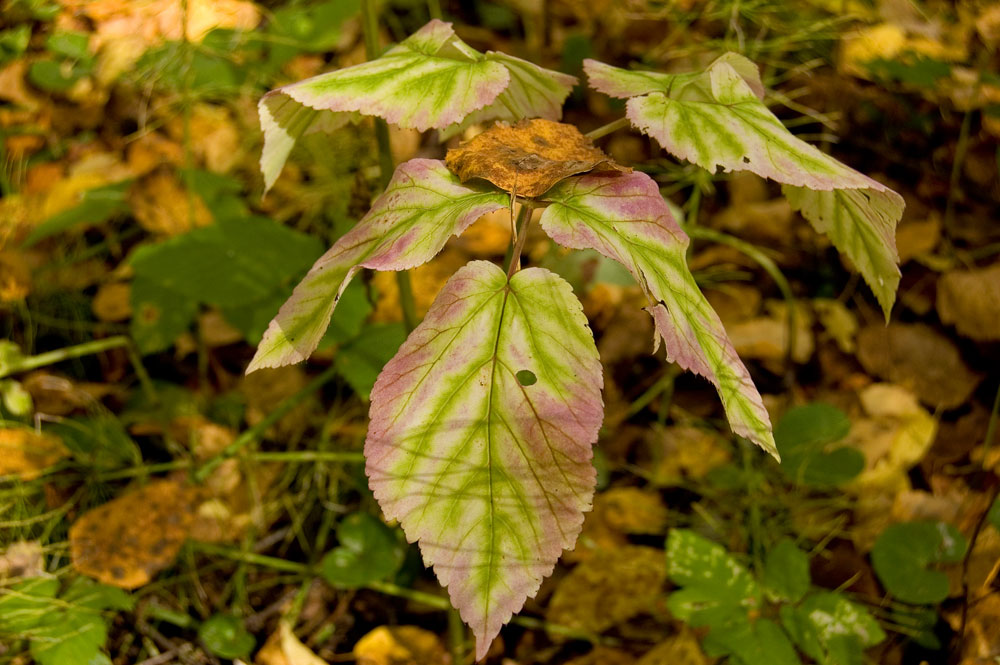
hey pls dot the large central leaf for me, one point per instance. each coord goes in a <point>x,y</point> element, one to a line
<point>625,218</point>
<point>432,79</point>
<point>408,225</point>
<point>481,434</point>
<point>716,118</point>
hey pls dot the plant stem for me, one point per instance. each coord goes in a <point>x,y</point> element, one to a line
<point>388,588</point>
<point>961,147</point>
<point>456,636</point>
<point>604,130</point>
<point>434,9</point>
<point>258,430</point>
<point>369,21</point>
<point>523,219</point>
<point>52,357</point>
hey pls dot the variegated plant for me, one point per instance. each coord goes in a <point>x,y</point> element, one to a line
<point>482,426</point>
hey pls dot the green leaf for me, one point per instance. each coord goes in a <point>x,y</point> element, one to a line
<point>432,79</point>
<point>99,440</point>
<point>230,263</point>
<point>53,76</point>
<point>408,225</point>
<point>624,218</point>
<point>159,315</point>
<point>24,605</point>
<point>804,437</point>
<point>69,44</point>
<point>714,582</point>
<point>490,476</point>
<point>903,552</point>
<point>716,118</point>
<point>786,572</point>
<point>831,629</point>
<point>369,551</point>
<point>74,630</point>
<point>96,206</point>
<point>761,642</point>
<point>360,360</point>
<point>224,635</point>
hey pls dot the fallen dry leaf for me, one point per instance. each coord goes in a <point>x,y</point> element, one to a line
<point>603,656</point>
<point>111,302</point>
<point>610,587</point>
<point>22,558</point>
<point>896,435</point>
<point>426,280</point>
<point>129,539</point>
<point>920,359</point>
<point>156,21</point>
<point>680,649</point>
<point>162,205</point>
<point>981,645</point>
<point>27,454</point>
<point>632,510</point>
<point>528,158</point>
<point>766,337</point>
<point>970,300</point>
<point>400,645</point>
<point>283,648</point>
<point>214,136</point>
<point>684,452</point>
<point>839,322</point>
<point>15,277</point>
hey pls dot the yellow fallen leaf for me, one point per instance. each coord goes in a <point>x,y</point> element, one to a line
<point>15,276</point>
<point>111,302</point>
<point>156,21</point>
<point>895,436</point>
<point>215,138</point>
<point>610,587</point>
<point>26,454</point>
<point>839,322</point>
<point>400,645</point>
<point>162,205</point>
<point>129,539</point>
<point>680,649</point>
<point>632,510</point>
<point>426,279</point>
<point>283,648</point>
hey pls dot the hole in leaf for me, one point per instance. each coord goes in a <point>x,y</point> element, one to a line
<point>526,377</point>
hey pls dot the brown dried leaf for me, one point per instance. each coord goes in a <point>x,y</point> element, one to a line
<point>26,454</point>
<point>162,205</point>
<point>528,158</point>
<point>680,649</point>
<point>603,656</point>
<point>610,587</point>
<point>111,302</point>
<point>15,277</point>
<point>283,648</point>
<point>126,541</point>
<point>919,359</point>
<point>400,645</point>
<point>970,299</point>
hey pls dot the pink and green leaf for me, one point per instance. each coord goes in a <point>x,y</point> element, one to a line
<point>716,118</point>
<point>624,218</point>
<point>533,92</point>
<point>432,79</point>
<point>481,437</point>
<point>423,206</point>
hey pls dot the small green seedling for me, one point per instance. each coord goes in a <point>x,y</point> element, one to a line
<point>719,593</point>
<point>482,425</point>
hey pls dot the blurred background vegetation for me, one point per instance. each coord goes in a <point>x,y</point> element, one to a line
<point>157,506</point>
